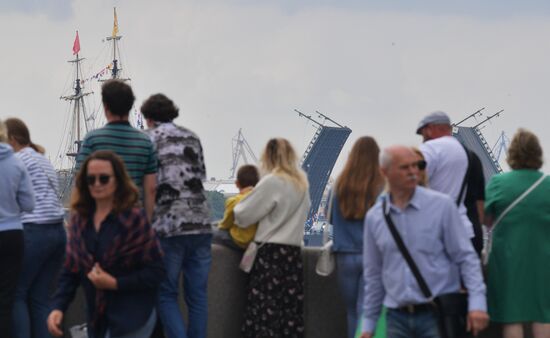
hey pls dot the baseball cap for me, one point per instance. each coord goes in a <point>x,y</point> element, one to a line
<point>437,117</point>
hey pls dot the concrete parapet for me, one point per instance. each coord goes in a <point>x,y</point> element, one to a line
<point>324,311</point>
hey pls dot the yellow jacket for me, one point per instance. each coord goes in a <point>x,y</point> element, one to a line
<point>241,236</point>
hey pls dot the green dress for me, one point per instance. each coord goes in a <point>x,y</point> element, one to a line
<point>518,284</point>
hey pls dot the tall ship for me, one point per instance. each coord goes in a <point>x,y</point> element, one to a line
<point>80,118</point>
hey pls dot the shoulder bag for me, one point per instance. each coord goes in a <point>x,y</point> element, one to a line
<point>451,308</point>
<point>465,180</point>
<point>487,249</point>
<point>325,263</point>
<point>249,256</point>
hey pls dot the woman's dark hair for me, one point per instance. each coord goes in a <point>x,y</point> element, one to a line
<point>159,108</point>
<point>18,131</point>
<point>126,193</point>
<point>525,151</point>
<point>118,97</point>
<point>360,182</point>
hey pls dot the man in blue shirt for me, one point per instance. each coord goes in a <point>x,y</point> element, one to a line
<point>432,231</point>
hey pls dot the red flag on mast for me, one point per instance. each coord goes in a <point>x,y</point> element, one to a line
<point>76,45</point>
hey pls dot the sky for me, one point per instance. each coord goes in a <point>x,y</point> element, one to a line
<point>375,66</point>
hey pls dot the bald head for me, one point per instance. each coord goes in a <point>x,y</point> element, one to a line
<point>399,165</point>
<point>387,155</point>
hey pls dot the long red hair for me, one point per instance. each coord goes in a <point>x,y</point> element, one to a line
<point>360,182</point>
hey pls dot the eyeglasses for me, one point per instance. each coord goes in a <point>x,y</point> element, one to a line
<point>421,164</point>
<point>102,178</point>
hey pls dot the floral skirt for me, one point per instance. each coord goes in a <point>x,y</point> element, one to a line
<point>275,291</point>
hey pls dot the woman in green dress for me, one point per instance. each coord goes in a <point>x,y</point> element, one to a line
<point>519,257</point>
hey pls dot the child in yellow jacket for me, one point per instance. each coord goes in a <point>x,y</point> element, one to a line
<point>229,233</point>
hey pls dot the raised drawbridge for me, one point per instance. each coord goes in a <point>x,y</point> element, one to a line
<point>474,140</point>
<point>319,158</point>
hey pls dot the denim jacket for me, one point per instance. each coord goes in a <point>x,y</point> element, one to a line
<point>347,234</point>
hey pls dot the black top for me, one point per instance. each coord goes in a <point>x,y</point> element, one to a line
<point>475,192</point>
<point>129,307</point>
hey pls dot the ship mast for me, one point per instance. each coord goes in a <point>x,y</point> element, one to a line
<point>116,70</point>
<point>79,117</point>
<point>114,38</point>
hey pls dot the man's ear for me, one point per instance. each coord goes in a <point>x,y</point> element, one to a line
<point>384,172</point>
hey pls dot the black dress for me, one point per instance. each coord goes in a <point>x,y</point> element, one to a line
<point>275,293</point>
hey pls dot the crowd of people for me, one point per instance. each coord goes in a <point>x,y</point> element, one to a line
<point>406,228</point>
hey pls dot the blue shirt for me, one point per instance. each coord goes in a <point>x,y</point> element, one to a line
<point>16,192</point>
<point>434,234</point>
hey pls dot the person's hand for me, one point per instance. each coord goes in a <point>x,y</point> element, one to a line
<point>366,335</point>
<point>101,279</point>
<point>54,323</point>
<point>477,321</point>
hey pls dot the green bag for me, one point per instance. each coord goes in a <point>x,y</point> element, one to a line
<point>380,326</point>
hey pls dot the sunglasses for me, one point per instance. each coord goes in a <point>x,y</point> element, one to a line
<point>102,178</point>
<point>421,164</point>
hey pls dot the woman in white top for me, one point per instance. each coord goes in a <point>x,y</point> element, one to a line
<point>279,204</point>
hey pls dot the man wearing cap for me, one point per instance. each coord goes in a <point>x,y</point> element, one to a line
<point>447,160</point>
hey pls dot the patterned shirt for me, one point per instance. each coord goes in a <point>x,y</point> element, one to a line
<point>181,205</point>
<point>132,145</point>
<point>47,208</point>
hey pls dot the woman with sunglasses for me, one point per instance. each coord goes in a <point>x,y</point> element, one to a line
<point>16,196</point>
<point>112,252</point>
<point>44,234</point>
<point>422,175</point>
<point>355,191</point>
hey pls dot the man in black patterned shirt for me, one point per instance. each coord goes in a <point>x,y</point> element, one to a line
<point>181,218</point>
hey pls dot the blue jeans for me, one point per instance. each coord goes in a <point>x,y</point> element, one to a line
<point>190,255</point>
<point>405,325</point>
<point>143,332</point>
<point>42,260</point>
<point>352,286</point>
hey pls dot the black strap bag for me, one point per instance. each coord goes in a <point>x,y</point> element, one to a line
<point>451,308</point>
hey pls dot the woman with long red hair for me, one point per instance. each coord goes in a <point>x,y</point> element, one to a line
<point>354,192</point>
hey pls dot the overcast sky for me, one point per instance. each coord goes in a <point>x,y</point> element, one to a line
<point>230,64</point>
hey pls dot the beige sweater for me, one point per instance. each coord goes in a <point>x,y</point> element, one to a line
<point>270,204</point>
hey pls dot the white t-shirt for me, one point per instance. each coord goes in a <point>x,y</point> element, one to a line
<point>447,164</point>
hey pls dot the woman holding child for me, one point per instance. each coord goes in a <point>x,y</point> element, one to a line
<point>279,204</point>
<point>112,252</point>
<point>355,191</point>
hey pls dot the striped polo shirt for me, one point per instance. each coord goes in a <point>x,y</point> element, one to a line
<point>133,146</point>
<point>44,181</point>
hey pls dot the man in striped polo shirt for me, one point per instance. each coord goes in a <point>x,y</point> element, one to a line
<point>134,146</point>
